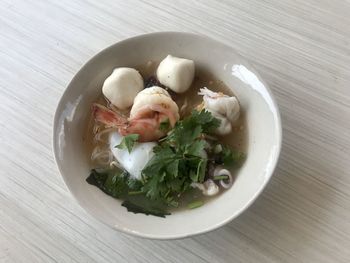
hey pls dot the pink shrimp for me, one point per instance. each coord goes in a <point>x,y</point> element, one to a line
<point>146,122</point>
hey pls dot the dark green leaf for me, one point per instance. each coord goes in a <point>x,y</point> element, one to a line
<point>231,157</point>
<point>173,168</point>
<point>112,182</point>
<point>206,120</point>
<point>154,186</point>
<point>117,184</point>
<point>137,208</point>
<point>196,148</point>
<point>134,185</point>
<point>175,184</point>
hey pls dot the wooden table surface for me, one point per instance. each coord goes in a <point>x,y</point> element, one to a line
<point>302,50</point>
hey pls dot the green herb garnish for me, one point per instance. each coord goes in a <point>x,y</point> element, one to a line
<point>195,204</point>
<point>179,160</point>
<point>220,177</point>
<point>228,156</point>
<point>118,184</point>
<point>143,209</point>
<point>128,142</point>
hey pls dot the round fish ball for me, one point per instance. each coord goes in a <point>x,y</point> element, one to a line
<point>176,73</point>
<point>122,86</point>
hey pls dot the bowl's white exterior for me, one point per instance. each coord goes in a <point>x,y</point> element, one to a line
<point>263,122</point>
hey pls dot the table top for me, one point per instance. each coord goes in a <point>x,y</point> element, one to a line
<point>302,50</point>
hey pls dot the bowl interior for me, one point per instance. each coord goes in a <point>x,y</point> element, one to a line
<point>262,117</point>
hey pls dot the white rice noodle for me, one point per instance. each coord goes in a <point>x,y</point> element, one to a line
<point>96,128</point>
<point>102,157</point>
<point>102,136</point>
<point>184,106</point>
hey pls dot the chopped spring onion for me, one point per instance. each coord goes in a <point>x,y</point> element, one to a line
<point>195,204</point>
<point>220,177</point>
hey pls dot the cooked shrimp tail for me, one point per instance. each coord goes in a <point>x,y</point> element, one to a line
<point>106,116</point>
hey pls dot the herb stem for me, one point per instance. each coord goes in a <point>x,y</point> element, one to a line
<point>220,177</point>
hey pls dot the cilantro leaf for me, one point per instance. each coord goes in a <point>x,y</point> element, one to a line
<point>206,120</point>
<point>229,156</point>
<point>196,148</point>
<point>163,157</point>
<point>128,142</point>
<point>134,185</point>
<point>191,127</point>
<point>178,159</point>
<point>154,187</point>
<point>173,168</point>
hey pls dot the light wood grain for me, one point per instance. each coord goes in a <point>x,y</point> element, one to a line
<point>301,48</point>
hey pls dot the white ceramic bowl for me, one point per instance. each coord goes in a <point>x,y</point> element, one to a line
<point>263,122</point>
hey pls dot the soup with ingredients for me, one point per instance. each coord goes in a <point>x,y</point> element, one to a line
<point>164,136</point>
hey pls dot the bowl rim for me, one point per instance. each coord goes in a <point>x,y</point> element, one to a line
<point>277,150</point>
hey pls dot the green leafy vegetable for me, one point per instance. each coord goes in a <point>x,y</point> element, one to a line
<point>189,129</point>
<point>128,142</point>
<point>118,184</point>
<point>231,157</point>
<point>112,182</point>
<point>220,177</point>
<point>144,209</point>
<point>179,160</point>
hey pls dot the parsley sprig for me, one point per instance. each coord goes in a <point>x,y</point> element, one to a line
<point>179,160</point>
<point>128,142</point>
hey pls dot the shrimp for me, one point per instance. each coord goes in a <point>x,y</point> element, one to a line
<point>151,107</point>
